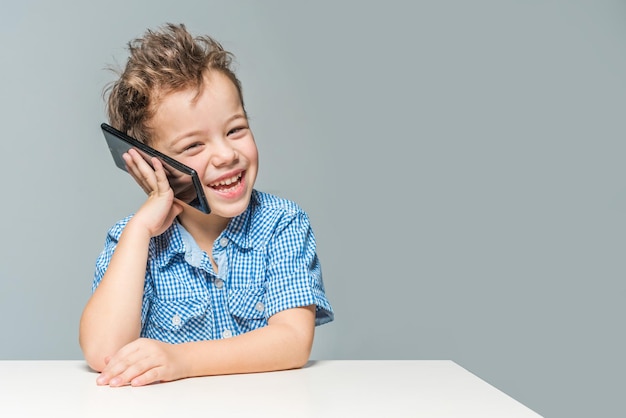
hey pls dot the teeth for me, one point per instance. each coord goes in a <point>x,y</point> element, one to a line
<point>226,182</point>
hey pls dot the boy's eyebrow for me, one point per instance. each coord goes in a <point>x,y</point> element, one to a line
<point>235,117</point>
<point>198,132</point>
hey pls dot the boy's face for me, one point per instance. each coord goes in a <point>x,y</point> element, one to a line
<point>211,135</point>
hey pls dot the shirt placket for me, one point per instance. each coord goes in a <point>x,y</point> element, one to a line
<point>225,326</point>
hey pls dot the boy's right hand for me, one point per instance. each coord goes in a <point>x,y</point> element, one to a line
<point>160,209</point>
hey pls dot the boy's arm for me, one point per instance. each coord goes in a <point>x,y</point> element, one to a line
<point>285,343</point>
<point>112,317</point>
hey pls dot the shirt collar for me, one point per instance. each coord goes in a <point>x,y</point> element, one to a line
<point>172,241</point>
<point>238,229</point>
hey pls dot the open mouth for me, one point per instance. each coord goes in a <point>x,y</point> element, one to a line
<point>227,185</point>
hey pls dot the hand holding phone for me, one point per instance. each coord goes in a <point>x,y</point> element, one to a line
<point>183,180</point>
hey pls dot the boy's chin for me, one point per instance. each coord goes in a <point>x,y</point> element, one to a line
<point>229,210</point>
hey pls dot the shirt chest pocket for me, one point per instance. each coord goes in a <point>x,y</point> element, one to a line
<point>247,307</point>
<point>180,320</point>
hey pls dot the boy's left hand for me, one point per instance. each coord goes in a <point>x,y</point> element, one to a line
<point>141,362</point>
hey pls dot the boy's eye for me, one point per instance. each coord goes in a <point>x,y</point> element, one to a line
<point>236,130</point>
<point>192,146</point>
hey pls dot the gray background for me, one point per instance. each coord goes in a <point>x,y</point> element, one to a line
<point>462,164</point>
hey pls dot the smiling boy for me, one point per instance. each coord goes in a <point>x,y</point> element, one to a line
<point>179,293</point>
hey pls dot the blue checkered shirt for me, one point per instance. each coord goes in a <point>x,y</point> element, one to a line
<point>266,262</point>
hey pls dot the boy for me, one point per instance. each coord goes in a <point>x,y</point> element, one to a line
<point>179,293</point>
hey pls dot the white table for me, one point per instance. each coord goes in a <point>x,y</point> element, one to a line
<point>354,388</point>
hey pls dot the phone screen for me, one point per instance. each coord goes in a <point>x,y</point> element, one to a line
<point>183,179</point>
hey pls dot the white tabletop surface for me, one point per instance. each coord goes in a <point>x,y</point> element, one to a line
<point>351,388</point>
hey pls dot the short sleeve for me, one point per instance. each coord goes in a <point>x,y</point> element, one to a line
<point>294,275</point>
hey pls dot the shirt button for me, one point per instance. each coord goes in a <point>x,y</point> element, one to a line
<point>227,333</point>
<point>259,306</point>
<point>176,320</point>
<point>224,242</point>
<point>219,283</point>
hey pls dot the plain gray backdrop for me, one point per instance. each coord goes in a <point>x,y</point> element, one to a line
<point>462,163</point>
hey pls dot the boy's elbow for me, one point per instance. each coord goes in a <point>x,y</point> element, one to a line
<point>94,359</point>
<point>300,326</point>
<point>95,363</point>
<point>301,361</point>
<point>96,366</point>
<point>302,351</point>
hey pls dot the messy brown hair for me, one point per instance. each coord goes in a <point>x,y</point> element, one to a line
<point>162,61</point>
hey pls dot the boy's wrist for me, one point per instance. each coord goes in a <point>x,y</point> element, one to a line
<point>183,360</point>
<point>138,229</point>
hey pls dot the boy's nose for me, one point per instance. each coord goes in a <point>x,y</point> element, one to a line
<point>223,154</point>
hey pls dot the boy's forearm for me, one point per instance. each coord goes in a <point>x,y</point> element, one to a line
<point>112,316</point>
<point>284,344</point>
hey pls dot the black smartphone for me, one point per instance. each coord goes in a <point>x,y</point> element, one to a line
<point>183,179</point>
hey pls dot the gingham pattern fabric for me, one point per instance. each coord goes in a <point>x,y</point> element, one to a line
<point>266,263</point>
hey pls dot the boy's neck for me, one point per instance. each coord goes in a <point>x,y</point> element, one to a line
<point>203,228</point>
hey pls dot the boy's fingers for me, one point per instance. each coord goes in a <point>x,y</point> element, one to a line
<point>149,177</point>
<point>129,373</point>
<point>135,172</point>
<point>162,183</point>
<point>150,376</point>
